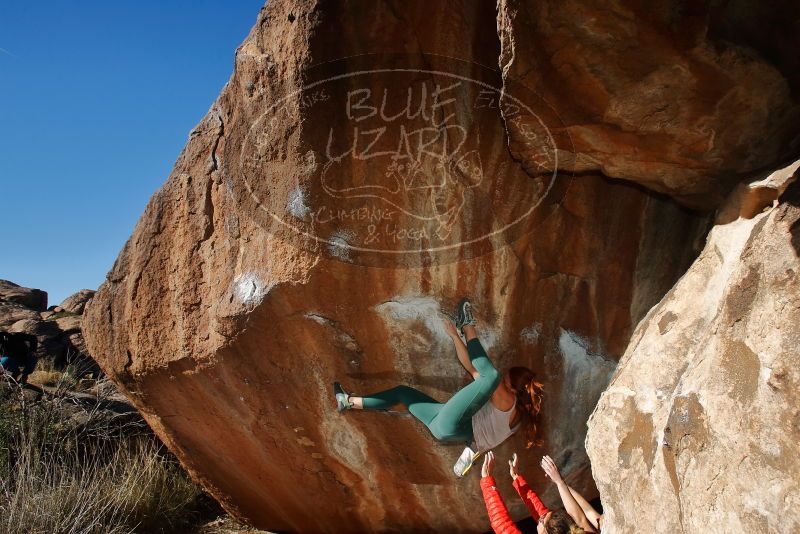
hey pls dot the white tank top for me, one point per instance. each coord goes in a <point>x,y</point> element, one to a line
<point>490,426</point>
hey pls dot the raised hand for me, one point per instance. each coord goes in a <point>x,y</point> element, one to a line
<point>488,464</point>
<point>551,470</point>
<point>512,466</point>
<point>450,328</point>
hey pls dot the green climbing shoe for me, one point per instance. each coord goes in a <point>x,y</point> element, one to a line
<point>464,315</point>
<point>342,398</point>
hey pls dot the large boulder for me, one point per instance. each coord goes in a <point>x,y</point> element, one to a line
<point>701,422</point>
<point>239,387</point>
<point>354,176</point>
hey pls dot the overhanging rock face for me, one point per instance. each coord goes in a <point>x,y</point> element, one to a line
<point>352,176</point>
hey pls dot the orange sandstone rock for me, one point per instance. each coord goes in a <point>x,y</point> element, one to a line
<point>366,164</point>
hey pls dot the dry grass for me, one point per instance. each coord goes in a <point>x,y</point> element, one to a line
<point>133,490</point>
<point>46,374</point>
<point>64,379</point>
<point>227,525</point>
<point>66,474</point>
<point>43,377</point>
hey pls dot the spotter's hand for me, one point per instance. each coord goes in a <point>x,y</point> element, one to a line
<point>488,463</point>
<point>513,463</point>
<point>551,470</point>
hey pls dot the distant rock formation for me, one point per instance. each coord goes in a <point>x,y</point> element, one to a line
<point>364,166</point>
<point>57,328</point>
<point>76,302</point>
<point>33,299</point>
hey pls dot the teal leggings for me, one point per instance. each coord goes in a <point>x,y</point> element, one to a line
<point>452,420</point>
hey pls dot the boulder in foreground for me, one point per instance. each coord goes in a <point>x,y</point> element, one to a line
<point>701,422</point>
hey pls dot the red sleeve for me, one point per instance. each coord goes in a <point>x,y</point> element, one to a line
<point>529,497</point>
<point>498,513</point>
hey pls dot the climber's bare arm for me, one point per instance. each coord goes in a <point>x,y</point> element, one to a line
<point>588,510</point>
<point>461,349</point>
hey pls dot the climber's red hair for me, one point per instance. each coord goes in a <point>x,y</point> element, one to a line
<point>529,402</point>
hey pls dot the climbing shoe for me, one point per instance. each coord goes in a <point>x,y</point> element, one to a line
<point>465,462</point>
<point>453,317</point>
<point>464,315</point>
<point>342,398</point>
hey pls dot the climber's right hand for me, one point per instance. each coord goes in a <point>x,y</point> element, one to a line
<point>450,328</point>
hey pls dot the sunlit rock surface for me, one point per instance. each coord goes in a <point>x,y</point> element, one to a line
<point>365,165</point>
<point>701,423</point>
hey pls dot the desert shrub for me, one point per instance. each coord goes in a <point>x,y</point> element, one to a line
<point>47,373</point>
<point>60,314</point>
<point>69,469</point>
<point>43,377</point>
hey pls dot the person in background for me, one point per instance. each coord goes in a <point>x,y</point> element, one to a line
<point>577,507</point>
<point>547,521</point>
<point>18,354</point>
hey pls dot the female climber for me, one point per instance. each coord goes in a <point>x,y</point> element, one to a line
<point>482,414</point>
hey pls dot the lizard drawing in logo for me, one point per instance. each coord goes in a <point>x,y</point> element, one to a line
<point>428,188</point>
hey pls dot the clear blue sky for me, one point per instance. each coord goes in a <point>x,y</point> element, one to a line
<point>97,99</point>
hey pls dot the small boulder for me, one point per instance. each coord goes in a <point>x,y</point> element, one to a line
<point>76,302</point>
<point>35,299</point>
<point>11,312</point>
<point>68,324</point>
